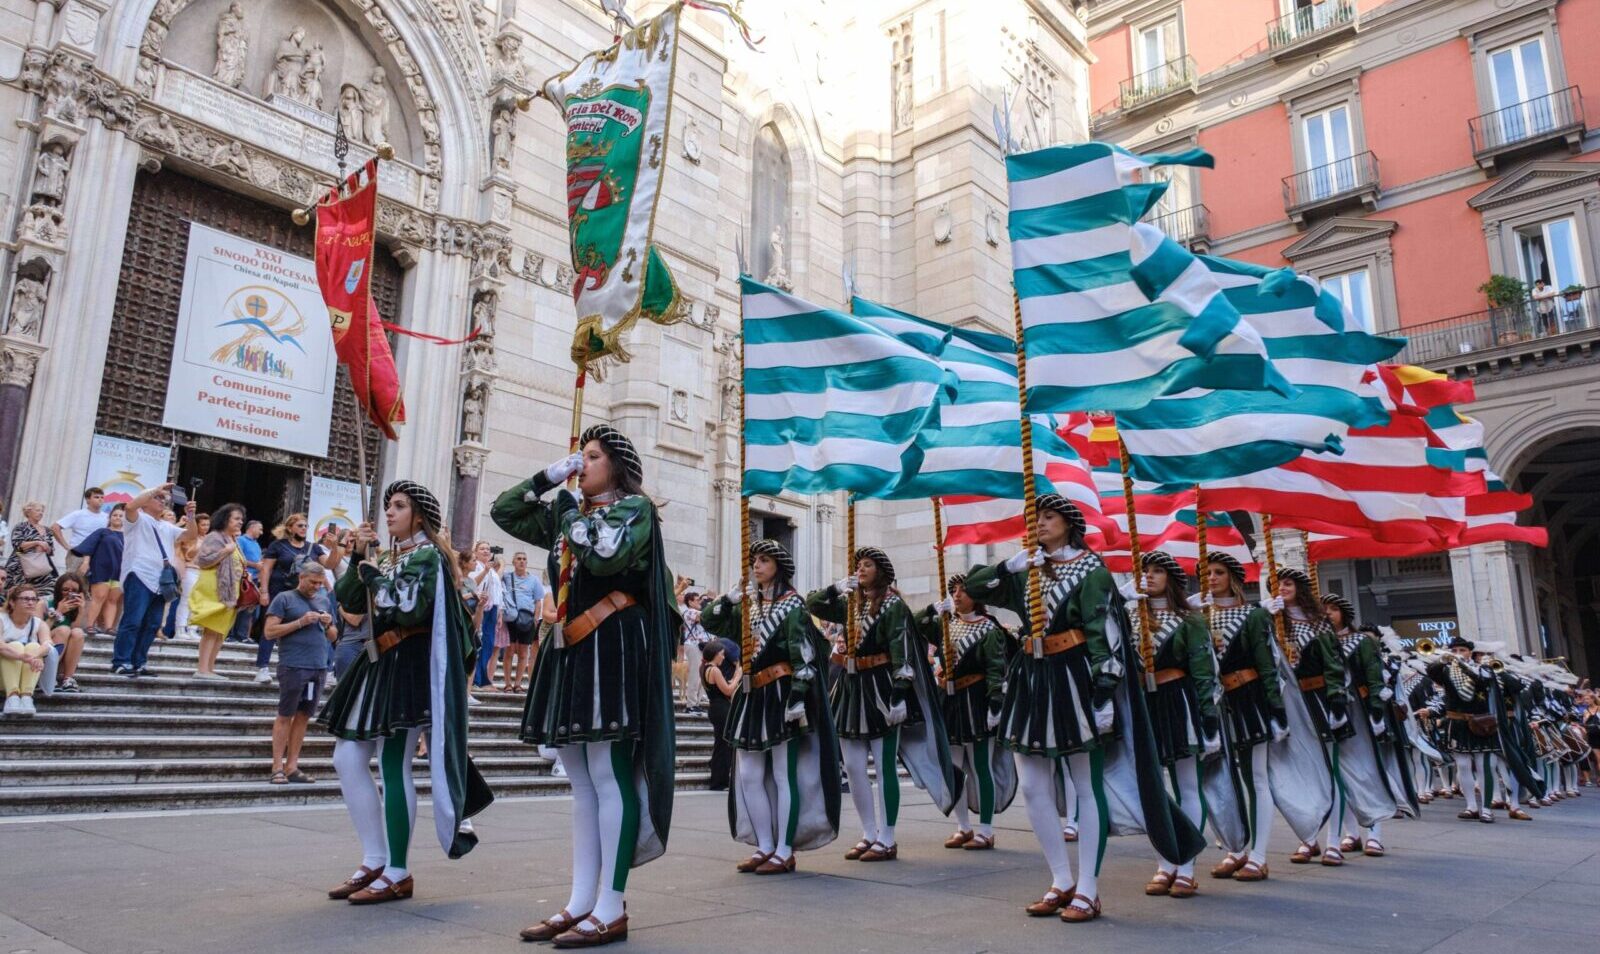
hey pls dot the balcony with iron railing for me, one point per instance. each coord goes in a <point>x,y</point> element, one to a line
<point>1189,227</point>
<point>1332,187</point>
<point>1309,28</point>
<point>1542,121</point>
<point>1179,75</point>
<point>1513,332</point>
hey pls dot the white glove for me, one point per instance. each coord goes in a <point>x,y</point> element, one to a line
<point>992,721</point>
<point>1130,593</point>
<point>564,468</point>
<point>847,584</point>
<point>1021,560</point>
<point>1336,720</point>
<point>795,713</point>
<point>1379,727</point>
<point>1279,731</point>
<point>1273,605</point>
<point>897,713</point>
<point>946,605</point>
<point>1387,695</point>
<point>1212,745</point>
<point>1104,718</point>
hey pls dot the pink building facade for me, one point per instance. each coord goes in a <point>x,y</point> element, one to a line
<point>1404,152</point>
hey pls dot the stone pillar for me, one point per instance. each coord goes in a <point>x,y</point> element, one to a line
<point>469,460</point>
<point>824,513</point>
<point>18,360</point>
<point>726,558</point>
<point>1489,598</point>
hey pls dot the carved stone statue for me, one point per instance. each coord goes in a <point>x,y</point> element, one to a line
<point>351,115</point>
<point>288,65</point>
<point>61,89</point>
<point>472,413</point>
<point>27,308</point>
<point>777,272</point>
<point>50,174</point>
<point>508,64</point>
<point>902,95</point>
<point>502,137</point>
<point>43,224</point>
<point>375,104</point>
<point>157,131</point>
<point>232,46</point>
<point>231,158</point>
<point>311,76</point>
<point>483,318</point>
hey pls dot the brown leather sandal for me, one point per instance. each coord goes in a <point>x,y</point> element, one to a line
<point>597,934</point>
<point>1051,902</point>
<point>547,929</point>
<point>958,840</point>
<point>1227,866</point>
<point>363,877</point>
<point>979,842</point>
<point>774,866</point>
<point>1303,854</point>
<point>753,862</point>
<point>1519,815</point>
<point>1161,883</point>
<point>1468,814</point>
<point>1349,843</point>
<point>1183,887</point>
<point>880,852</point>
<point>861,848</point>
<point>1069,834</point>
<point>1250,871</point>
<point>1332,858</point>
<point>374,894</point>
<point>1073,914</point>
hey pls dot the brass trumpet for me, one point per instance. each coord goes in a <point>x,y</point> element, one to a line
<point>1425,647</point>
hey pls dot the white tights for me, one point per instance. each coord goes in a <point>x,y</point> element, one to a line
<point>869,799</point>
<point>1259,796</point>
<point>1467,777</point>
<point>597,821</point>
<point>1189,799</point>
<point>378,822</point>
<point>771,822</point>
<point>1036,778</point>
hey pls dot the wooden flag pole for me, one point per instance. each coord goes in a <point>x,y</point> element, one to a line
<point>1030,494</point>
<point>1272,582</point>
<point>1146,640</point>
<point>944,593</point>
<point>747,649</point>
<point>564,584</point>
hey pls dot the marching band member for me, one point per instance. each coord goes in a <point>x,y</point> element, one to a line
<point>974,680</point>
<point>1181,695</point>
<point>1320,670</point>
<point>1370,747</point>
<point>1470,729</point>
<point>883,699</point>
<point>1247,671</point>
<point>785,791</point>
<point>412,678</point>
<point>602,692</point>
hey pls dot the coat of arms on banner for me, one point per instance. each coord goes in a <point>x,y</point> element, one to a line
<point>617,105</point>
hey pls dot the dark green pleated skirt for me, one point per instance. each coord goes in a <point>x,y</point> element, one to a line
<point>966,713</point>
<point>377,699</point>
<point>1175,719</point>
<point>591,692</point>
<point>755,721</point>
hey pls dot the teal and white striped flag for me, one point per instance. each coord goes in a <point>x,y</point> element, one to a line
<point>1114,313</point>
<point>1200,435</point>
<point>831,402</point>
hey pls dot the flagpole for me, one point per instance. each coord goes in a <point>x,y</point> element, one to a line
<point>1030,498</point>
<point>746,639</point>
<point>564,585</point>
<point>944,593</point>
<point>1311,567</point>
<point>1146,645</point>
<point>1200,567</point>
<point>852,599</point>
<point>1272,577</point>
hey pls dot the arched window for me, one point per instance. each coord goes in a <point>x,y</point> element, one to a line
<point>769,209</point>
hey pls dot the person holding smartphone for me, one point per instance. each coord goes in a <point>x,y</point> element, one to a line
<point>289,546</point>
<point>300,621</point>
<point>64,613</point>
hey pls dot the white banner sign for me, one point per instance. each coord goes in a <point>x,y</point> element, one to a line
<point>335,502</point>
<point>125,469</point>
<point>253,360</point>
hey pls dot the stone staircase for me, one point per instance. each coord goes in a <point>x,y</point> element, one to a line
<point>172,742</point>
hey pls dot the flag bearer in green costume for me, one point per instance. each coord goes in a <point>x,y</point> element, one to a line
<point>601,691</point>
<point>413,678</point>
<point>785,791</point>
<point>1182,702</point>
<point>883,699</point>
<point>973,686</point>
<point>1373,740</point>
<point>1320,668</point>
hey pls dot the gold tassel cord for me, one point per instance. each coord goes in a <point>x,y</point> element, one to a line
<point>852,602</point>
<point>564,573</point>
<point>1146,639</point>
<point>944,592</point>
<point>1030,497</point>
<point>746,630</point>
<point>1279,622</point>
<point>1201,569</point>
<point>1311,568</point>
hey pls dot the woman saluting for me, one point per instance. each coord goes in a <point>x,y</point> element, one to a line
<point>601,691</point>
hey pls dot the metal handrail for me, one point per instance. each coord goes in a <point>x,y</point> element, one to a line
<point>1297,25</point>
<point>1527,320</point>
<point>1185,224</point>
<point>1158,81</point>
<point>1340,177</point>
<point>1528,120</point>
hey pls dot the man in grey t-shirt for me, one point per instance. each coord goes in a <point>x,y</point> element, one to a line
<point>301,622</point>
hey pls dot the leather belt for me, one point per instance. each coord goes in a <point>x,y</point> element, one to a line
<point>1363,691</point>
<point>1239,677</point>
<point>966,682</point>
<point>1054,643</point>
<point>862,662</point>
<point>1463,716</point>
<point>383,642</point>
<point>578,630</point>
<point>770,674</point>
<point>1164,676</point>
<point>1312,683</point>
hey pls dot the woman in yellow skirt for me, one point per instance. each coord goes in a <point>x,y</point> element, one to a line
<point>215,597</point>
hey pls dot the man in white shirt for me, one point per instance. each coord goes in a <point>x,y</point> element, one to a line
<point>76,526</point>
<point>487,583</point>
<point>149,543</point>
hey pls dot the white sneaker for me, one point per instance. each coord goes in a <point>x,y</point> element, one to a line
<point>263,676</point>
<point>25,706</point>
<point>558,770</point>
<point>12,707</point>
<point>474,700</point>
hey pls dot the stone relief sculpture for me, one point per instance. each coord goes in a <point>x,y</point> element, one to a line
<point>502,137</point>
<point>61,89</point>
<point>157,131</point>
<point>350,115</point>
<point>27,308</point>
<point>311,77</point>
<point>508,64</point>
<point>50,174</point>
<point>288,67</point>
<point>375,106</point>
<point>472,411</point>
<point>777,272</point>
<point>231,158</point>
<point>483,318</point>
<point>232,46</point>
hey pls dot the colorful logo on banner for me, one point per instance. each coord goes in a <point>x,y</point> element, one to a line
<point>125,469</point>
<point>269,323</point>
